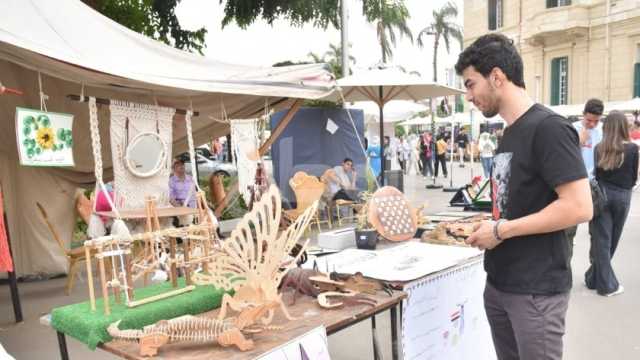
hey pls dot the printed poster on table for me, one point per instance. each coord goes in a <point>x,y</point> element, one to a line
<point>44,138</point>
<point>310,346</point>
<point>444,317</point>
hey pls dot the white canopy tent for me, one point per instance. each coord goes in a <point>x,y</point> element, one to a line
<point>394,112</point>
<point>381,85</point>
<point>74,50</point>
<point>458,118</point>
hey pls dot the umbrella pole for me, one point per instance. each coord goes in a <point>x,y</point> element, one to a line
<point>382,158</point>
<point>435,147</point>
<point>451,188</point>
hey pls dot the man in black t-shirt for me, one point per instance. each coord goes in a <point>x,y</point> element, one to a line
<point>462,141</point>
<point>539,188</point>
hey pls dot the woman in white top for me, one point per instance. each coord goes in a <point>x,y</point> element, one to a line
<point>487,148</point>
<point>404,154</point>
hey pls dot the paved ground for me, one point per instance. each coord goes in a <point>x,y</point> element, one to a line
<point>597,327</point>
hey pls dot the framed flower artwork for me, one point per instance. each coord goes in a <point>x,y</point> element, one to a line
<point>44,138</point>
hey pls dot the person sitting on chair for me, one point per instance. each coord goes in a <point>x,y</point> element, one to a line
<point>342,181</point>
<point>181,187</point>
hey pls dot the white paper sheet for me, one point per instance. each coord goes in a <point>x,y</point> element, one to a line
<point>444,316</point>
<point>313,345</point>
<point>404,262</point>
<point>332,127</point>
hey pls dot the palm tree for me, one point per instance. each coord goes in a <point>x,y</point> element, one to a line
<point>388,17</point>
<point>443,27</point>
<point>333,57</point>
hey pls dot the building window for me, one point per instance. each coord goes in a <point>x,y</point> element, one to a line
<point>556,3</point>
<point>559,81</point>
<point>636,75</point>
<point>636,80</point>
<point>495,14</point>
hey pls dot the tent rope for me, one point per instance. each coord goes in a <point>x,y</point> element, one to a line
<point>97,155</point>
<point>43,97</point>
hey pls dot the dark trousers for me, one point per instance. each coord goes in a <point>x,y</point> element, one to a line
<point>606,230</point>
<point>427,168</point>
<point>345,195</point>
<point>525,326</point>
<point>441,160</point>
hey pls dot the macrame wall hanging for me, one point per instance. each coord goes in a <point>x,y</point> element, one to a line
<point>131,123</point>
<point>245,141</point>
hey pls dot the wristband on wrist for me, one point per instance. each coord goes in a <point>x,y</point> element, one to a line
<point>496,234</point>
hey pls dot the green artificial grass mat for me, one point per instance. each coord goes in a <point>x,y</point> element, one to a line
<point>79,322</point>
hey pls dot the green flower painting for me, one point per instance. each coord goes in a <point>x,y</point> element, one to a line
<point>39,136</point>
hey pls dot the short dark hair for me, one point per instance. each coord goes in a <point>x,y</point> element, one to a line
<point>491,51</point>
<point>347,159</point>
<point>594,106</point>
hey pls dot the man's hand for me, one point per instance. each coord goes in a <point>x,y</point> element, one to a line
<point>482,236</point>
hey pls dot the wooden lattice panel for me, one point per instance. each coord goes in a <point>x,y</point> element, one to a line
<point>391,215</point>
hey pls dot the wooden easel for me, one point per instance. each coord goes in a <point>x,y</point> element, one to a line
<point>13,282</point>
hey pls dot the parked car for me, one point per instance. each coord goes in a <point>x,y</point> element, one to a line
<point>208,167</point>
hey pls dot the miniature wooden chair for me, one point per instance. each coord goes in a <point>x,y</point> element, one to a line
<point>307,189</point>
<point>352,206</point>
<point>74,256</point>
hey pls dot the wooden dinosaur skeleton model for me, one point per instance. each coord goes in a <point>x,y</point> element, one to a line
<point>254,259</point>
<point>193,329</point>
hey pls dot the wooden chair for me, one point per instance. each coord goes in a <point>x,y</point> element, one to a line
<point>307,189</point>
<point>352,206</point>
<point>74,256</point>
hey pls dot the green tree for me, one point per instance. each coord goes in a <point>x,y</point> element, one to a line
<point>153,18</point>
<point>298,12</point>
<point>333,58</point>
<point>442,27</point>
<point>388,17</point>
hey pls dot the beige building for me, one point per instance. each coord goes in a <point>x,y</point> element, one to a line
<point>572,49</point>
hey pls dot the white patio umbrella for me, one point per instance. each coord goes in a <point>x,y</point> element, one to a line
<point>382,85</point>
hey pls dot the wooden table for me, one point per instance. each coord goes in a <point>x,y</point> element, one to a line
<point>309,316</point>
<point>141,214</point>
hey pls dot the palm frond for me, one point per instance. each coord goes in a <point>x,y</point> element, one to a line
<point>404,30</point>
<point>445,37</point>
<point>456,32</point>
<point>424,32</point>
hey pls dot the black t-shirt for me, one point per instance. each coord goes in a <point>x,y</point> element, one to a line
<point>462,140</point>
<point>626,175</point>
<point>539,152</point>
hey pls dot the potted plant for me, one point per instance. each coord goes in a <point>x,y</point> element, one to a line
<point>366,235</point>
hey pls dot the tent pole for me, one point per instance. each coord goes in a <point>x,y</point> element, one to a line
<point>281,126</point>
<point>382,159</point>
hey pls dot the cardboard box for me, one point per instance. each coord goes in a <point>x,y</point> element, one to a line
<point>337,239</point>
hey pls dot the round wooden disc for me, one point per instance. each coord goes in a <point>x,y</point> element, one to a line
<point>400,204</point>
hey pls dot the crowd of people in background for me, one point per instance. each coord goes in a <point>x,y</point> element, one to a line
<point>427,155</point>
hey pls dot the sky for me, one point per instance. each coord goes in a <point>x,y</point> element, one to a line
<point>264,45</point>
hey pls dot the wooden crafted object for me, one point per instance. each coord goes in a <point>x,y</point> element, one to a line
<point>308,189</point>
<point>188,328</point>
<point>391,214</point>
<point>154,241</point>
<point>73,256</point>
<point>254,259</point>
